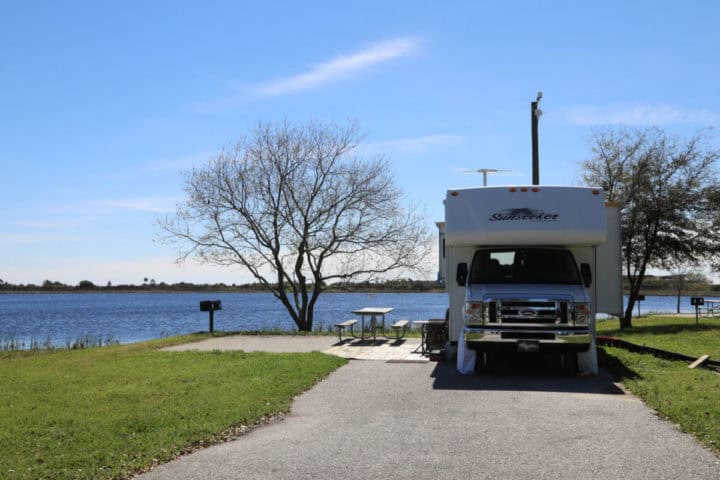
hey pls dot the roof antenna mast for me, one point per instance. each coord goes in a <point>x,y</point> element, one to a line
<point>485,172</point>
<point>535,114</point>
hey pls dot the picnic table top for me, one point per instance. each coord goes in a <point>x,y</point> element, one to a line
<point>373,311</point>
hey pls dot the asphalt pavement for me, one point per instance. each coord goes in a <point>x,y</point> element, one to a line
<point>372,419</point>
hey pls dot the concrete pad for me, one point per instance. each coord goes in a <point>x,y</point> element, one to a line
<point>261,343</point>
<point>387,350</point>
<point>405,350</point>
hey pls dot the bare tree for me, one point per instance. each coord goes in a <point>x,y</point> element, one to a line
<point>670,198</point>
<point>295,208</point>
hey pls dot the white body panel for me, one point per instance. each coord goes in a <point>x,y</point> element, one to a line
<point>550,216</point>
<point>608,274</point>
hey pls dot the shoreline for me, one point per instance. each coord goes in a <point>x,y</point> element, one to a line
<point>706,294</point>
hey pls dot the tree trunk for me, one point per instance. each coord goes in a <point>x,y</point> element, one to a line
<point>681,281</point>
<point>626,320</point>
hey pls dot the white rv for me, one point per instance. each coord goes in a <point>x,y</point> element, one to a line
<point>530,268</point>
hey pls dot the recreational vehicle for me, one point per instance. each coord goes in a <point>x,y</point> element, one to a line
<point>531,267</point>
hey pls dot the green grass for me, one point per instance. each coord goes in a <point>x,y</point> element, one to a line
<point>688,398</point>
<point>108,412</point>
<point>677,334</point>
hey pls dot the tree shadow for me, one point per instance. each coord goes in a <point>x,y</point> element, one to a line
<point>530,372</point>
<point>667,329</point>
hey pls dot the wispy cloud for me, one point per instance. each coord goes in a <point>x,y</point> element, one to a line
<point>330,71</point>
<point>340,67</point>
<point>413,144</point>
<point>153,205</point>
<point>640,115</point>
<point>46,225</point>
<point>128,270</point>
<point>7,239</point>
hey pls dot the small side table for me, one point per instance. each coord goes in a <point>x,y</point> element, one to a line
<point>434,334</point>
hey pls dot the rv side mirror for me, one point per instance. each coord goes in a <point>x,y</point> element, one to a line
<point>586,274</point>
<point>461,274</point>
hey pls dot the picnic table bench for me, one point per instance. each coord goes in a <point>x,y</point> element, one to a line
<point>399,328</point>
<point>343,325</point>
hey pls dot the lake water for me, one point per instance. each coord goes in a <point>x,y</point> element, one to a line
<point>130,317</point>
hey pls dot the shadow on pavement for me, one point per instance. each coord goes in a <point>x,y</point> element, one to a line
<point>523,373</point>
<point>370,343</point>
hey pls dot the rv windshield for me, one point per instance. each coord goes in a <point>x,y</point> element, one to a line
<point>524,265</point>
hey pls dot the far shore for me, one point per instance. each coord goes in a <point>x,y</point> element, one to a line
<point>210,289</point>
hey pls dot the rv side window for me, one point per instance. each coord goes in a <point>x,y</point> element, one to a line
<point>524,265</point>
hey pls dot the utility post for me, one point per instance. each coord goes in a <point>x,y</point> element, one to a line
<point>535,114</point>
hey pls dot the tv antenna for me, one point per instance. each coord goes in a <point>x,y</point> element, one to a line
<point>485,172</point>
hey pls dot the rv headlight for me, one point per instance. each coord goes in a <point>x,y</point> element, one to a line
<point>474,312</point>
<point>581,315</point>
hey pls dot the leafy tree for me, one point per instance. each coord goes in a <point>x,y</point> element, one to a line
<point>86,284</point>
<point>295,208</point>
<point>670,198</point>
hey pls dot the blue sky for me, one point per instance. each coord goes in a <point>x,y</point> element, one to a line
<point>105,103</point>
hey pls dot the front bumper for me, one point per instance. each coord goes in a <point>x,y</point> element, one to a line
<point>515,337</point>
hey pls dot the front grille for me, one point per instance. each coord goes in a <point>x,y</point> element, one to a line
<point>528,311</point>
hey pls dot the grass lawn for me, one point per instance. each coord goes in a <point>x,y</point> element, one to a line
<point>108,412</point>
<point>689,398</point>
<point>677,334</point>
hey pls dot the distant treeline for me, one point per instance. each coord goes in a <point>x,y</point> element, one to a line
<point>693,284</point>
<point>48,286</point>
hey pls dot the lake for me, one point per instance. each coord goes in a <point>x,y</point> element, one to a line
<point>131,317</point>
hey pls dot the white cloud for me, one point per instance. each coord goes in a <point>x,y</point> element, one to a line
<point>49,225</point>
<point>7,239</point>
<point>340,67</point>
<point>149,204</point>
<point>638,115</point>
<point>100,270</point>
<point>413,144</point>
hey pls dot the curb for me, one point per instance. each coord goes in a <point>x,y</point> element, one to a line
<point>657,352</point>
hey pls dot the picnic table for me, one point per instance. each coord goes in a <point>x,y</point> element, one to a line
<point>373,313</point>
<point>712,307</point>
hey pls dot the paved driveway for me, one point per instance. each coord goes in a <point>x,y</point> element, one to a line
<point>372,419</point>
